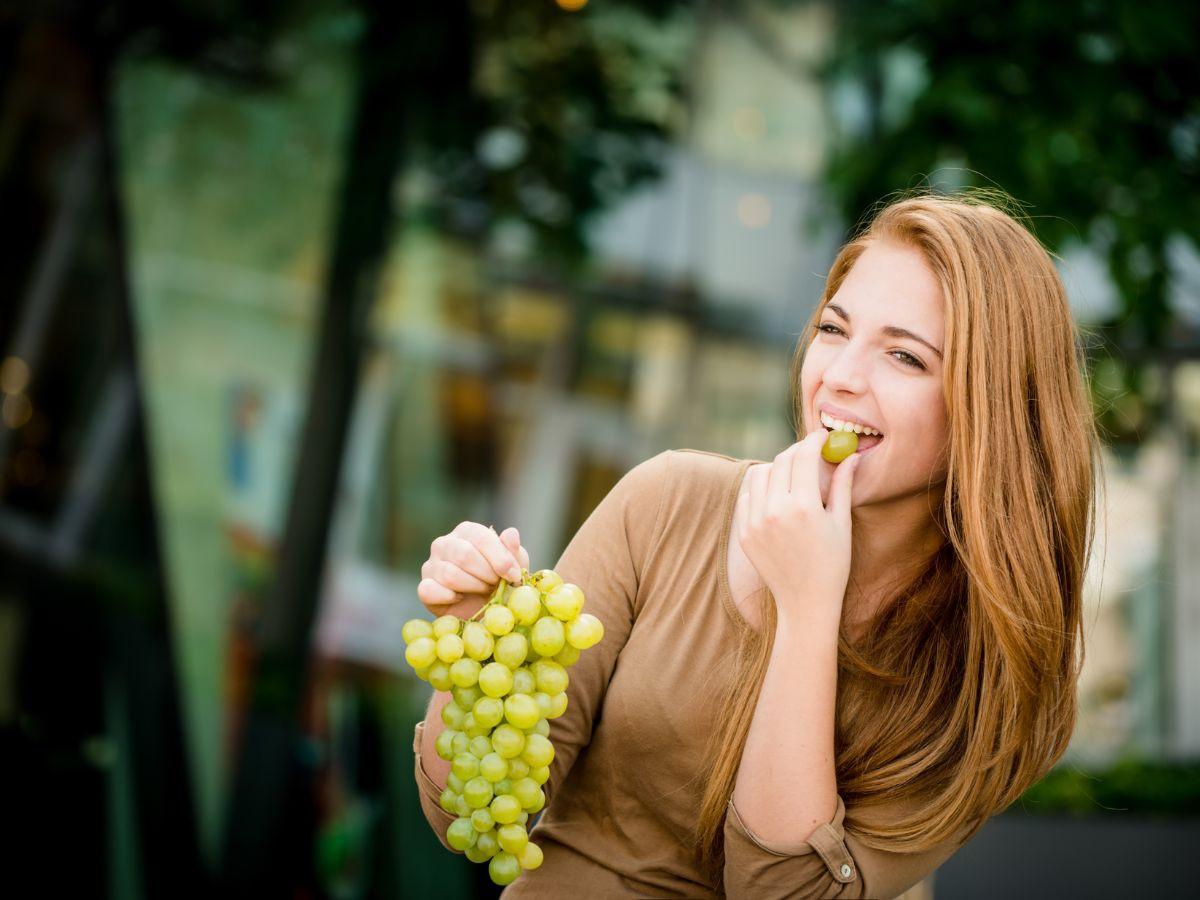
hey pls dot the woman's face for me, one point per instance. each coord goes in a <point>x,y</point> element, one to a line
<point>860,364</point>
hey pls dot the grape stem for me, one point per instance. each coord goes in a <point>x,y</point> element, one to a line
<point>499,595</point>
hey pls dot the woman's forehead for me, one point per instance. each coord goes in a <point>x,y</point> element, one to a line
<point>892,285</point>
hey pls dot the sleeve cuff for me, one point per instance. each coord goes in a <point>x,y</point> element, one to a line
<point>827,841</point>
<point>430,793</point>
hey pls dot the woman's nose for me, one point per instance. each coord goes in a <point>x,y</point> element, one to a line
<point>847,371</point>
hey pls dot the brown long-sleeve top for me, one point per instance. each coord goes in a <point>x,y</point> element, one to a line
<point>624,789</point>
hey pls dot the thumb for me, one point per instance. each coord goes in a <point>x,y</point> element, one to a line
<point>841,489</point>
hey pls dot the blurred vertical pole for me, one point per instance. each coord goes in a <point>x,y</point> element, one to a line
<point>88,574</point>
<point>267,848</point>
<point>143,678</point>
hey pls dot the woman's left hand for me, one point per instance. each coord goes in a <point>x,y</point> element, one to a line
<point>799,545</point>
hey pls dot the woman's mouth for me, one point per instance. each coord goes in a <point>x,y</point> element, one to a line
<point>866,442</point>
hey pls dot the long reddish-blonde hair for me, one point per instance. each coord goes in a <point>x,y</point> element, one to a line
<point>962,691</point>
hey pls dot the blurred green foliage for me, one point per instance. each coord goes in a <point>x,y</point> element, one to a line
<point>523,118</point>
<point>1086,110</point>
<point>1129,786</point>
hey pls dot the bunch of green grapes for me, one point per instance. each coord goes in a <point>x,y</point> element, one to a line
<point>506,668</point>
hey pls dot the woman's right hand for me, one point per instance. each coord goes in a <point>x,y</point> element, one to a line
<point>465,566</point>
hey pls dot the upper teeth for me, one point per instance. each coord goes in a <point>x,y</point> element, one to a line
<point>839,425</point>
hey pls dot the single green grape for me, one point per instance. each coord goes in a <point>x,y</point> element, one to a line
<point>503,786</point>
<point>559,704</point>
<point>466,697</point>
<point>477,641</point>
<point>526,791</point>
<point>526,604</point>
<point>488,711</point>
<point>461,834</point>
<point>464,672</point>
<point>517,768</point>
<point>477,792</point>
<point>838,446</point>
<point>415,628</point>
<point>538,750</point>
<point>462,807</point>
<point>447,800</point>
<point>460,744</point>
<point>455,783</point>
<point>503,868</point>
<point>511,650</point>
<point>567,656</point>
<point>471,728</point>
<point>481,746</point>
<point>551,677</point>
<point>421,652</point>
<point>496,679</point>
<point>494,767</point>
<point>508,741</point>
<point>549,636</point>
<point>444,625</point>
<point>565,602</point>
<point>542,699</point>
<point>531,857</point>
<point>478,854</point>
<point>488,843</point>
<point>541,726</point>
<point>584,632</point>
<point>540,774</point>
<point>521,711</point>
<point>505,809</point>
<point>513,838</point>
<point>523,681</point>
<point>545,580</point>
<point>439,676</point>
<point>499,620</point>
<point>443,744</point>
<point>453,715</point>
<point>538,802</point>
<point>449,648</point>
<point>465,766</point>
<point>482,819</point>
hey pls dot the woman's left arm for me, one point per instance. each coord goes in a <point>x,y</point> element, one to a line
<point>787,784</point>
<point>784,827</point>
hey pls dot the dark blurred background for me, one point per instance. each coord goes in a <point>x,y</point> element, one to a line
<point>292,288</point>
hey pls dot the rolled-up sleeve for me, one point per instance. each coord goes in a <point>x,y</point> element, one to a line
<point>430,794</point>
<point>833,862</point>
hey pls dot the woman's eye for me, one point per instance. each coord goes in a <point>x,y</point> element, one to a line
<point>905,357</point>
<point>909,360</point>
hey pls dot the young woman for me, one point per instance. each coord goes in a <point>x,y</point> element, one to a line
<point>819,680</point>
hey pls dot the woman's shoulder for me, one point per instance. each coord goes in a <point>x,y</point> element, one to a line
<point>680,481</point>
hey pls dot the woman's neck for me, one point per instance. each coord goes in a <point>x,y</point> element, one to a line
<point>889,546</point>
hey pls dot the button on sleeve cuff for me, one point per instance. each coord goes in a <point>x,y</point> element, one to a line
<point>823,856</point>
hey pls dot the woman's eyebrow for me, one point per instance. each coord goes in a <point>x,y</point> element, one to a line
<point>889,330</point>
